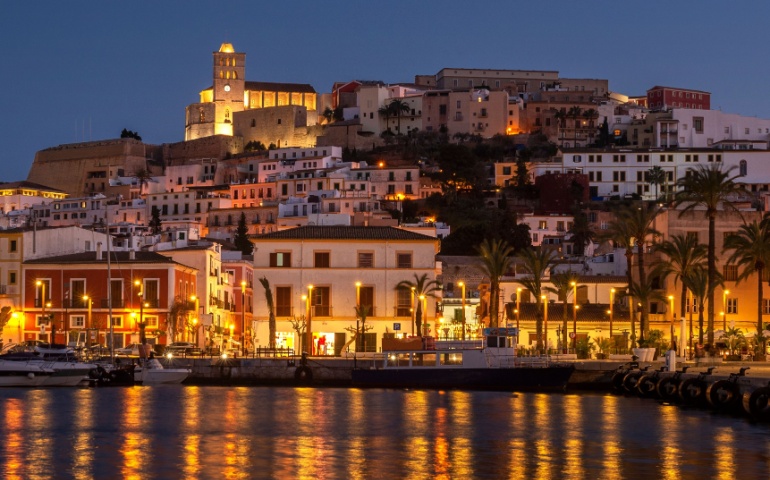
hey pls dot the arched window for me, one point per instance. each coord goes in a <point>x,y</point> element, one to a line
<point>227,75</point>
<point>201,115</point>
<point>743,168</point>
<point>235,75</point>
<point>233,62</point>
<point>253,122</point>
<point>227,114</point>
<point>221,74</point>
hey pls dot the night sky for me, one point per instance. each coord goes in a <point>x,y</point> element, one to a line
<point>75,71</point>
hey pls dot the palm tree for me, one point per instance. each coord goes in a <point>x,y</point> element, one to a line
<point>751,251</point>
<point>708,186</point>
<point>270,310</point>
<point>638,220</point>
<point>496,259</point>
<point>582,233</point>
<point>697,283</point>
<point>397,108</point>
<point>422,287</point>
<point>575,113</point>
<point>591,115</point>
<point>385,112</point>
<point>656,176</point>
<point>562,287</point>
<point>143,177</point>
<point>618,232</point>
<point>536,262</point>
<point>644,294</point>
<point>685,254</point>
<point>328,114</point>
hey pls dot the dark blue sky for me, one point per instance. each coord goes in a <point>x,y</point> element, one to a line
<point>86,70</point>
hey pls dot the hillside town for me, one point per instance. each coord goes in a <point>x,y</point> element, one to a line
<point>289,220</point>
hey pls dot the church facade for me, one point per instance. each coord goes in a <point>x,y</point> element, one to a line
<point>283,114</point>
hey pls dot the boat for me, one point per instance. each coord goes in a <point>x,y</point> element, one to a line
<point>66,370</point>
<point>152,372</point>
<point>22,374</point>
<point>487,365</point>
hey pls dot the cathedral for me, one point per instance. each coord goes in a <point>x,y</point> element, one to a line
<point>282,114</point>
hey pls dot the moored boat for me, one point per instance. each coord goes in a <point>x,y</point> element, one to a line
<point>152,372</point>
<point>491,365</point>
<point>22,374</point>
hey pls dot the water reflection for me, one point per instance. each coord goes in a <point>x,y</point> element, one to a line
<point>211,432</point>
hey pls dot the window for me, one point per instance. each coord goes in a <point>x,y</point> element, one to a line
<point>366,299</point>
<point>743,168</point>
<point>730,273</point>
<point>151,321</point>
<point>283,302</point>
<point>77,321</point>
<point>697,124</point>
<point>280,259</point>
<point>12,247</point>
<point>732,305</point>
<point>365,260</point>
<point>321,259</point>
<point>766,306</point>
<point>320,302</point>
<point>403,260</point>
<point>542,224</point>
<point>403,302</point>
<point>11,278</point>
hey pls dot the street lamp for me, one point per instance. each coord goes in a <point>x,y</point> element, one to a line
<point>414,309</point>
<point>462,287</point>
<point>673,315</point>
<point>309,331</point>
<point>518,307</point>
<point>424,314</point>
<point>89,302</point>
<point>43,303</point>
<point>359,314</point>
<point>574,315</point>
<point>612,302</point>
<point>243,318</point>
<point>545,322</point>
<point>724,311</point>
<point>142,332</point>
<point>194,298</point>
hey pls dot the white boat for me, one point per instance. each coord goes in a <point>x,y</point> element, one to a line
<point>151,372</point>
<point>22,374</point>
<point>66,370</point>
<point>67,374</point>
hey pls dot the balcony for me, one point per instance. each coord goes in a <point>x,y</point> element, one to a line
<point>116,303</point>
<point>284,311</point>
<point>321,311</point>
<point>403,311</point>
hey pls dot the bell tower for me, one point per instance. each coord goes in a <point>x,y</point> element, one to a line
<point>229,86</point>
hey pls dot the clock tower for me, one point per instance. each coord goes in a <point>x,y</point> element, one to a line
<point>229,86</point>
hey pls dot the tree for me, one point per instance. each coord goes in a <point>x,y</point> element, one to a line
<point>496,260</point>
<point>638,220</point>
<point>421,287</point>
<point>241,239</point>
<point>143,177</point>
<point>562,288</point>
<point>155,225</point>
<point>536,262</point>
<point>697,283</point>
<point>397,108</point>
<point>521,238</point>
<point>575,113</point>
<point>362,311</point>
<point>328,115</point>
<point>254,146</point>
<point>656,176</point>
<point>581,231</point>
<point>618,232</point>
<point>750,248</point>
<point>685,254</point>
<point>299,324</point>
<point>387,113</point>
<point>270,310</point>
<point>130,134</point>
<point>177,317</point>
<point>708,187</point>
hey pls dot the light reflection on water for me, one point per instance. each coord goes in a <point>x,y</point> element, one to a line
<point>211,432</point>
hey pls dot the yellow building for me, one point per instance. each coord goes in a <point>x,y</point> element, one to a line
<point>231,94</point>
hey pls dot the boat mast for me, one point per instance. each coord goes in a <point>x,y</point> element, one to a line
<point>109,291</point>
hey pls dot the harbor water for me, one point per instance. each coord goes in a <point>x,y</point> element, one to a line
<point>284,433</point>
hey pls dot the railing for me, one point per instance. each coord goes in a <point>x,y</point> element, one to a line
<point>273,352</point>
<point>403,311</point>
<point>3,289</point>
<point>284,311</point>
<point>322,310</point>
<point>116,303</point>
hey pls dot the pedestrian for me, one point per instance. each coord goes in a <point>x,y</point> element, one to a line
<point>671,357</point>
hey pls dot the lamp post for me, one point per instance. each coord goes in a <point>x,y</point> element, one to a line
<point>690,307</point>
<point>545,322</point>
<point>309,332</point>
<point>518,306</point>
<point>724,309</point>
<point>612,303</point>
<point>41,284</point>
<point>424,314</point>
<point>142,332</point>
<point>194,298</point>
<point>88,301</point>
<point>414,309</point>
<point>673,315</point>
<point>360,314</point>
<point>574,315</point>
<point>243,318</point>
<point>462,287</point>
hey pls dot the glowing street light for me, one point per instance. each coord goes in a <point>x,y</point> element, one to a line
<point>724,309</point>
<point>612,302</point>
<point>545,322</point>
<point>518,306</point>
<point>243,318</point>
<point>673,315</point>
<point>462,287</point>
<point>309,315</point>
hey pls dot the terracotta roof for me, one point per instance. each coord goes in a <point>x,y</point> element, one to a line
<point>331,232</point>
<point>116,258</point>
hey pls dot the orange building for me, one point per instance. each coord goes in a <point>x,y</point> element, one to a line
<point>73,297</point>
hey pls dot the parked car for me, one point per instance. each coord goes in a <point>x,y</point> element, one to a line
<point>97,350</point>
<point>130,349</point>
<point>182,348</point>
